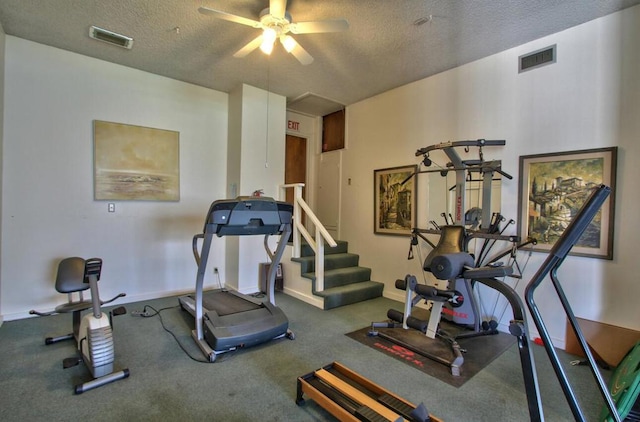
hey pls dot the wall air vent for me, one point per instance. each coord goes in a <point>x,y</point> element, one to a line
<point>110,37</point>
<point>537,59</point>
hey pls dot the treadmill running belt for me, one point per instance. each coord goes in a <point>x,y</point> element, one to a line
<point>225,303</point>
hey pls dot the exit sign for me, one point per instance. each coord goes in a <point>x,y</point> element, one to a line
<point>293,125</point>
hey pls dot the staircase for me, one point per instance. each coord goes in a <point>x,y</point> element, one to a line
<point>345,282</point>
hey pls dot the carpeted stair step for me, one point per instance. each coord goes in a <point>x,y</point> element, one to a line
<point>351,293</point>
<point>341,247</point>
<point>341,277</point>
<point>345,282</point>
<point>331,262</point>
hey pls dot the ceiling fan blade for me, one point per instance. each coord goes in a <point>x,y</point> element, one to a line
<point>252,45</point>
<point>277,8</point>
<point>229,17</point>
<point>301,54</point>
<point>314,27</point>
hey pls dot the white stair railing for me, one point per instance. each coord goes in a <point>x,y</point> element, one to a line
<point>299,230</point>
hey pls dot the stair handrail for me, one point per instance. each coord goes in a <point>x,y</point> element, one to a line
<point>321,233</point>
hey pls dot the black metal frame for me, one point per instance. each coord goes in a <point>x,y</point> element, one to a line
<point>550,266</point>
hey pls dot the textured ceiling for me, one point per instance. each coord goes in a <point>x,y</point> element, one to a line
<point>382,49</point>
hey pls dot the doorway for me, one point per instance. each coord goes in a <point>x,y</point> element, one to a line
<point>295,164</point>
<point>328,193</point>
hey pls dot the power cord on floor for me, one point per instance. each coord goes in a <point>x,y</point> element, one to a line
<point>583,362</point>
<point>146,314</point>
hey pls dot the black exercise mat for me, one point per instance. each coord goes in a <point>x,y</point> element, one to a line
<point>480,351</point>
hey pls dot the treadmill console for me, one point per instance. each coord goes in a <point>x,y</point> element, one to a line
<point>247,215</point>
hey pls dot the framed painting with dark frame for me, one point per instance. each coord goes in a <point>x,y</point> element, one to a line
<point>394,191</point>
<point>552,189</point>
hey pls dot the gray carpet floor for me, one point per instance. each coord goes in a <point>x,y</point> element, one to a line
<point>254,384</point>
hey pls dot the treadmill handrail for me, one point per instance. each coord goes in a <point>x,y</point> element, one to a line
<point>194,245</point>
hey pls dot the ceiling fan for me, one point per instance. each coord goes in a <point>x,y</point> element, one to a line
<point>276,23</point>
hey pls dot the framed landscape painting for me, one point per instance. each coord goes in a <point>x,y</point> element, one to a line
<point>553,187</point>
<point>135,163</point>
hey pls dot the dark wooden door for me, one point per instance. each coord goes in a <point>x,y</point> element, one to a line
<point>295,167</point>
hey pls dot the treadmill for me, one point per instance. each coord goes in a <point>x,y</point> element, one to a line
<point>226,320</point>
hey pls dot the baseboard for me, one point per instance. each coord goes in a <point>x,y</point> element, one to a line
<point>398,297</point>
<point>311,300</point>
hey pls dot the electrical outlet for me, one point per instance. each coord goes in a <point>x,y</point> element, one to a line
<point>111,207</point>
<point>215,270</point>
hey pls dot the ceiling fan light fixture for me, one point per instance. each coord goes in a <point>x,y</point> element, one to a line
<point>268,39</point>
<point>288,43</point>
<point>276,23</point>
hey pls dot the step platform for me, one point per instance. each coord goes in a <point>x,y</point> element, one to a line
<point>351,397</point>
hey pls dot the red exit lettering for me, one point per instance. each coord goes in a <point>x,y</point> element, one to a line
<point>293,125</point>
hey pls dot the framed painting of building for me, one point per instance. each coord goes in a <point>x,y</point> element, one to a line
<point>394,200</point>
<point>552,189</point>
<point>135,163</point>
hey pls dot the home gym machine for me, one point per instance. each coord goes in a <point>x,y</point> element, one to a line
<point>625,389</point>
<point>226,320</point>
<point>93,333</point>
<point>453,298</point>
<point>467,223</point>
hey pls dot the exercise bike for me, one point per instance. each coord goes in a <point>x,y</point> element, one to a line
<point>92,333</point>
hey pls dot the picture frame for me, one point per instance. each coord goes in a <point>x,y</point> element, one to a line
<point>135,162</point>
<point>394,191</point>
<point>552,189</point>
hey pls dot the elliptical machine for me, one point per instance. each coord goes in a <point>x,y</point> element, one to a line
<point>93,333</point>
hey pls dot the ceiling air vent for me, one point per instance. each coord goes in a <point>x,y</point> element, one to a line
<point>110,37</point>
<point>537,58</point>
<point>313,104</point>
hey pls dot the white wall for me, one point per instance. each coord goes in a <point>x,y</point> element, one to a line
<point>589,99</point>
<point>48,212</point>
<point>257,122</point>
